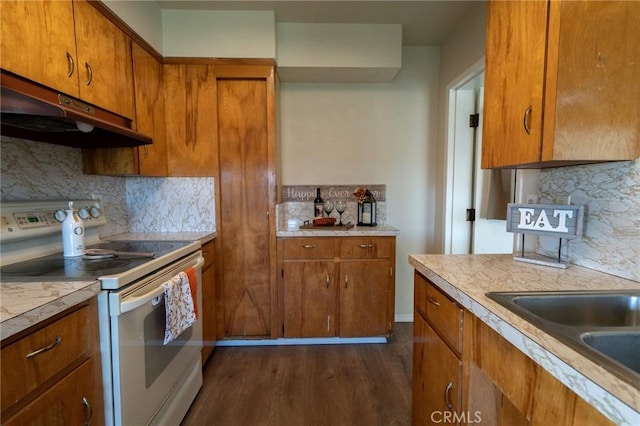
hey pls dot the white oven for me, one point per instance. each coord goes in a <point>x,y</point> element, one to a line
<point>148,382</point>
<point>145,381</point>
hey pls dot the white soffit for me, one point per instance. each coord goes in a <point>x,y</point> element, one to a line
<point>338,52</point>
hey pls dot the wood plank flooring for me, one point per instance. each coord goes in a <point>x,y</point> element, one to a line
<point>319,385</point>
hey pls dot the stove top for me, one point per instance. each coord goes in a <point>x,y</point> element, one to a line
<point>114,263</point>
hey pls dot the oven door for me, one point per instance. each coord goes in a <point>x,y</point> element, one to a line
<point>152,383</point>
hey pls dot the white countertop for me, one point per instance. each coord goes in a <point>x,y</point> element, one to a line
<point>466,278</point>
<point>356,231</point>
<point>25,304</point>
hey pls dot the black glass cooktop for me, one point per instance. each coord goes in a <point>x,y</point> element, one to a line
<point>107,258</point>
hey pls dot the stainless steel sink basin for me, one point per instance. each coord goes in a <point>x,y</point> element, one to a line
<point>585,310</point>
<point>602,325</point>
<point>621,346</point>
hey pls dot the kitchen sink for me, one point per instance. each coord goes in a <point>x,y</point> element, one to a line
<point>604,326</point>
<point>623,347</point>
<point>593,309</point>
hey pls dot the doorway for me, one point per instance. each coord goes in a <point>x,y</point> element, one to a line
<point>475,199</point>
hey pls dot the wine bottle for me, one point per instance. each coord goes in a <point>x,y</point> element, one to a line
<point>318,203</point>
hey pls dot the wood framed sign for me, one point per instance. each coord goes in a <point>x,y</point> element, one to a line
<point>549,220</point>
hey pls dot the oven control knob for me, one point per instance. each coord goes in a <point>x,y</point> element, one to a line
<point>59,215</point>
<point>94,212</point>
<point>83,213</point>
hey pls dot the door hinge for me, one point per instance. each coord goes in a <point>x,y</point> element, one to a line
<point>471,215</point>
<point>283,329</point>
<point>474,120</point>
<point>282,272</point>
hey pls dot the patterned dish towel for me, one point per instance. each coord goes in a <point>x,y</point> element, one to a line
<point>179,305</point>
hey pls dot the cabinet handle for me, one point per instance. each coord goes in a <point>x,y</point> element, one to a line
<point>346,281</point>
<point>89,73</point>
<point>328,280</point>
<point>55,343</point>
<point>364,246</point>
<point>447,395</point>
<point>86,403</point>
<point>526,120</point>
<point>72,65</point>
<point>433,301</point>
<point>308,246</point>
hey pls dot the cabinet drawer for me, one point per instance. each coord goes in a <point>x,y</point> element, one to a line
<point>22,373</point>
<point>71,401</point>
<point>309,248</point>
<point>445,316</point>
<point>366,248</point>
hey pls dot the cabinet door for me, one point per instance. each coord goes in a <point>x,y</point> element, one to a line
<point>364,288</point>
<point>190,110</point>
<point>104,61</point>
<point>208,301</point>
<point>514,82</point>
<point>441,378</point>
<point>419,413</point>
<point>150,120</point>
<point>245,206</point>
<point>38,42</point>
<point>309,299</point>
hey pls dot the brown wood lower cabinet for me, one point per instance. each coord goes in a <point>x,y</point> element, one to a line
<point>51,373</point>
<point>337,286</point>
<point>464,373</point>
<point>209,301</point>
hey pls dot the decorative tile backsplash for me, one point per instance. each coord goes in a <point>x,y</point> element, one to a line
<point>41,171</point>
<point>610,193</point>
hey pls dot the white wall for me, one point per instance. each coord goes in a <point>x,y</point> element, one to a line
<point>384,133</point>
<point>219,34</point>
<point>144,17</point>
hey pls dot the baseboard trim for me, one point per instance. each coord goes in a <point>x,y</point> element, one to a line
<point>404,318</point>
<point>303,341</point>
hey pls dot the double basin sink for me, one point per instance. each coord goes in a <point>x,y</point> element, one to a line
<point>604,326</point>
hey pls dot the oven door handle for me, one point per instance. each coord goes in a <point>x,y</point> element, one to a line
<point>135,302</point>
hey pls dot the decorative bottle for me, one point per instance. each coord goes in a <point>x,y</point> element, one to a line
<point>72,234</point>
<point>318,204</point>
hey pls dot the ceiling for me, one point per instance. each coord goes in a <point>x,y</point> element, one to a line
<point>424,22</point>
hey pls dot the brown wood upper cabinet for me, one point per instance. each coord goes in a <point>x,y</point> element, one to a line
<point>71,47</point>
<point>147,160</point>
<point>561,83</point>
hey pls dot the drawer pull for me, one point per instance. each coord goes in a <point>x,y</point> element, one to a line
<point>447,399</point>
<point>365,246</point>
<point>328,280</point>
<point>308,246</point>
<point>86,403</point>
<point>55,343</point>
<point>433,301</point>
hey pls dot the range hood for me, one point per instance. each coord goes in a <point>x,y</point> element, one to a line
<point>38,113</point>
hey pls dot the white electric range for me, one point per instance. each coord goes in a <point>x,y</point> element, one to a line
<point>145,381</point>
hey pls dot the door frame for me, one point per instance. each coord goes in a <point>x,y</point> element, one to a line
<point>451,137</point>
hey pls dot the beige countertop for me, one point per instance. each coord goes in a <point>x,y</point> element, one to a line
<point>466,278</point>
<point>25,304</point>
<point>356,231</point>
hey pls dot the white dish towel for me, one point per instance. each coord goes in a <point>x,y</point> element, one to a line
<point>179,306</point>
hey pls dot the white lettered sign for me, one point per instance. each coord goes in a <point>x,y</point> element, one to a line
<point>562,221</point>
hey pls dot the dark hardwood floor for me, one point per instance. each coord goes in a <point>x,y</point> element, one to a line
<point>315,385</point>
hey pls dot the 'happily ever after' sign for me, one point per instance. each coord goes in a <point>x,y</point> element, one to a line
<point>561,221</point>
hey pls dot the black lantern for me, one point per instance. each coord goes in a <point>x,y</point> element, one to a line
<point>367,210</point>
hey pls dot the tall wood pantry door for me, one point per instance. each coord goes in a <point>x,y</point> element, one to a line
<point>244,225</point>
